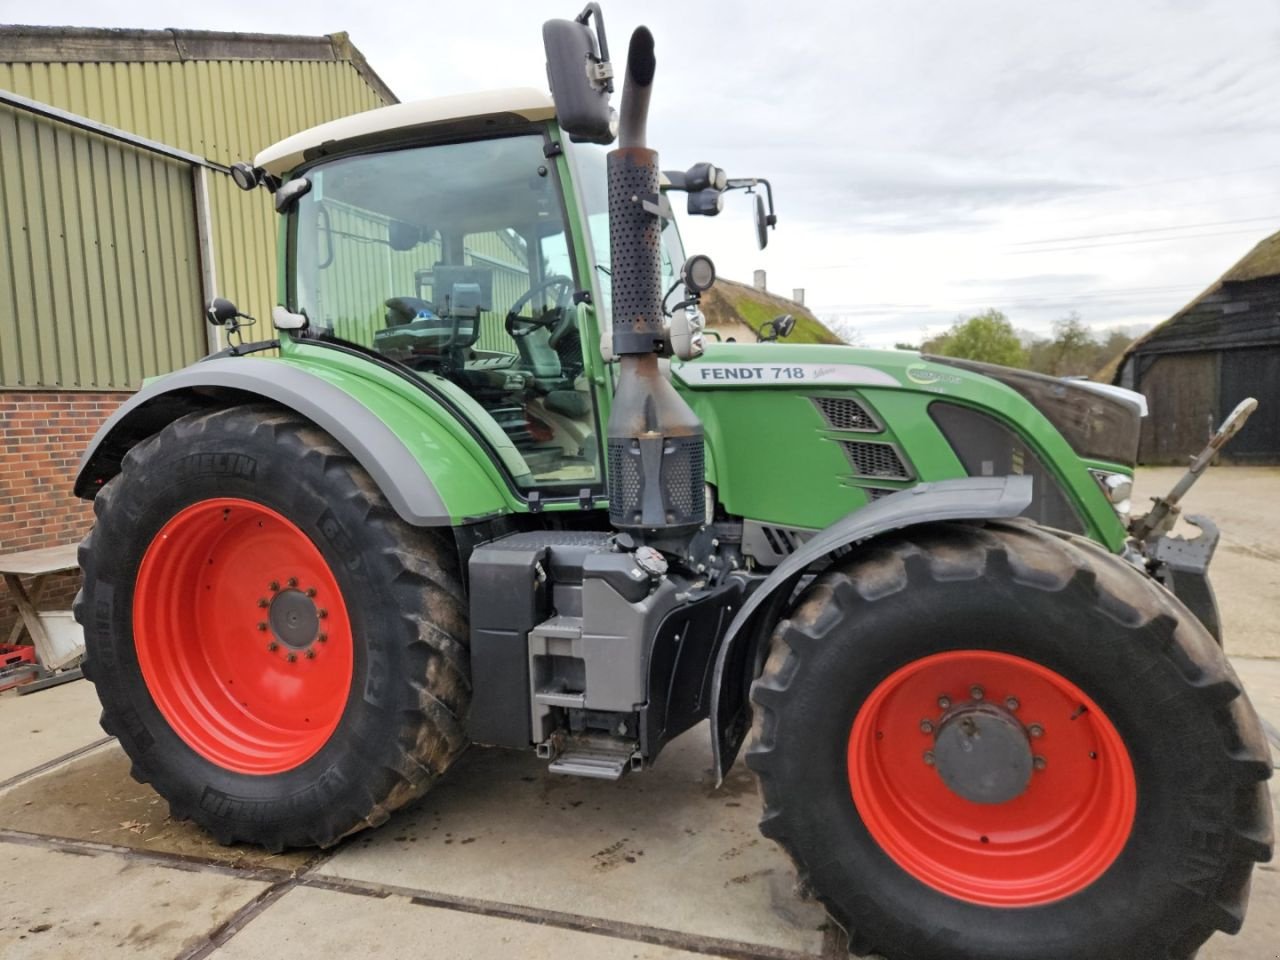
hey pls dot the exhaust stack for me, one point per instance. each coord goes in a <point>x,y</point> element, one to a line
<point>655,441</point>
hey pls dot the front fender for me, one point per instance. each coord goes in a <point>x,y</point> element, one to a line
<point>968,498</point>
<point>426,476</point>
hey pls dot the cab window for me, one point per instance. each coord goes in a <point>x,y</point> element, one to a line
<point>453,260</point>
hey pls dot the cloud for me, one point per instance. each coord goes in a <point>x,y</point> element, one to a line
<point>913,145</point>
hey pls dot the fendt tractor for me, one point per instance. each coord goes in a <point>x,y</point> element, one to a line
<point>490,483</point>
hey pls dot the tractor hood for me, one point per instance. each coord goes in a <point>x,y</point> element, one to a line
<point>1100,423</point>
<point>798,435</point>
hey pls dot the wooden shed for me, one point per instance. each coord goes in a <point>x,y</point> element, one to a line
<point>1197,365</point>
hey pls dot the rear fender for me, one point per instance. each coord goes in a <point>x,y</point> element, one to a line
<point>969,498</point>
<point>426,474</point>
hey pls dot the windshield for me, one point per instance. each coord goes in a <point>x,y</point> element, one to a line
<point>453,260</point>
<point>590,174</point>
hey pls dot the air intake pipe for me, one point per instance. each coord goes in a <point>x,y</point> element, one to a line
<point>655,445</point>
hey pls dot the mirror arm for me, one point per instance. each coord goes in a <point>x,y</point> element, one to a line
<point>593,10</point>
<point>750,184</point>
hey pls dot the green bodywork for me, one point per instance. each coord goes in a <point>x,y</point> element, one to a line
<point>770,455</point>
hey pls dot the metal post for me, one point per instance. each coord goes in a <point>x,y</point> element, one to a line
<point>204,242</point>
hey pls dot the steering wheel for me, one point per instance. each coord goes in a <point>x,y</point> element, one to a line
<point>557,319</point>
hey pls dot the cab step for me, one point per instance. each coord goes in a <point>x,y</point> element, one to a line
<point>600,758</point>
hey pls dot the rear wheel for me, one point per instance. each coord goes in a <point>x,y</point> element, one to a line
<point>995,743</point>
<point>280,655</point>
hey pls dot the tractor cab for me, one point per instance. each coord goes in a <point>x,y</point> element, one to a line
<point>455,255</point>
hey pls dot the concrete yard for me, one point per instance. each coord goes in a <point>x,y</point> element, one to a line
<point>501,859</point>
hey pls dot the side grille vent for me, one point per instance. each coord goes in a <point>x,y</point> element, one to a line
<point>876,460</point>
<point>783,541</point>
<point>845,413</point>
<point>877,493</point>
<point>768,544</point>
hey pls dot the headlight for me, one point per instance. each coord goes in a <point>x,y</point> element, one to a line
<point>1118,487</point>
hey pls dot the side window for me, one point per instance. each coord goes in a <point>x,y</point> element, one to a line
<point>453,260</point>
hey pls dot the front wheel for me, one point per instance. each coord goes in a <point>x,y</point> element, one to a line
<point>996,743</point>
<point>282,658</point>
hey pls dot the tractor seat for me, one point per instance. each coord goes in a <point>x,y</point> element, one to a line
<point>570,403</point>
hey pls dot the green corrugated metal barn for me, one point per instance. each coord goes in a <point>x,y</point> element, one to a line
<point>100,259</point>
<point>119,220</point>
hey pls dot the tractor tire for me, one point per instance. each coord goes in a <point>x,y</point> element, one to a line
<point>1000,743</point>
<point>281,656</point>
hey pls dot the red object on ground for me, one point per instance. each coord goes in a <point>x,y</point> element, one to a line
<point>17,666</point>
<point>1053,840</point>
<point>242,636</point>
<point>12,656</point>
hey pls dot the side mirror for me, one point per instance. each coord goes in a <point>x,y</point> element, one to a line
<point>221,312</point>
<point>762,223</point>
<point>581,76</point>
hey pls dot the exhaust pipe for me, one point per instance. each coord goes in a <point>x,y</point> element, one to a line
<point>655,441</point>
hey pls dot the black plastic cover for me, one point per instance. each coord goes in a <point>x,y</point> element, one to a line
<point>988,448</point>
<point>1098,427</point>
<point>508,598</point>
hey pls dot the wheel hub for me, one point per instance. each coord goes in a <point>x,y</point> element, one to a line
<point>243,637</point>
<point>983,753</point>
<point>294,619</point>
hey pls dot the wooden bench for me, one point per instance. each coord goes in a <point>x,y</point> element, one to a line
<point>57,638</point>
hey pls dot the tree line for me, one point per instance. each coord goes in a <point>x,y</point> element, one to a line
<point>1073,349</point>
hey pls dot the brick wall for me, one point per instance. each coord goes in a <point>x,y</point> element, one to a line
<point>42,434</point>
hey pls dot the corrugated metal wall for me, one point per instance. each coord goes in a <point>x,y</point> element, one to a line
<point>99,267</point>
<point>224,110</point>
<point>366,272</point>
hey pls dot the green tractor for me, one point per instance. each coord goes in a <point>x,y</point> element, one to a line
<point>493,487</point>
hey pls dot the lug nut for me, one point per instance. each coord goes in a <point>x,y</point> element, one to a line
<point>292,658</point>
<point>926,726</point>
<point>944,703</point>
<point>311,591</point>
<point>311,654</point>
<point>323,638</point>
<point>929,758</point>
<point>322,613</point>
<point>1012,703</point>
<point>262,625</point>
<point>272,647</point>
<point>263,602</point>
<point>293,581</point>
<point>976,693</point>
<point>274,586</point>
<point>1036,730</point>
<point>1039,763</point>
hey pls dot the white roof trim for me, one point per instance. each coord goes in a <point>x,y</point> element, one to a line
<point>282,157</point>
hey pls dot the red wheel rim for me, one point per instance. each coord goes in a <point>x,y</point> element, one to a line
<point>242,636</point>
<point>1056,838</point>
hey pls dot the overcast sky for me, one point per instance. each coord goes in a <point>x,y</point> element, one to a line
<point>929,158</point>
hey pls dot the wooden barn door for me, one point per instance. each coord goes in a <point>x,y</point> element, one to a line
<point>1253,372</point>
<point>1182,397</point>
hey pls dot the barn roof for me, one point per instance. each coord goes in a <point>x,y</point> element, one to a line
<point>1235,311</point>
<point>24,43</point>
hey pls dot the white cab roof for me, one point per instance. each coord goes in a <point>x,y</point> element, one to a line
<point>525,102</point>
